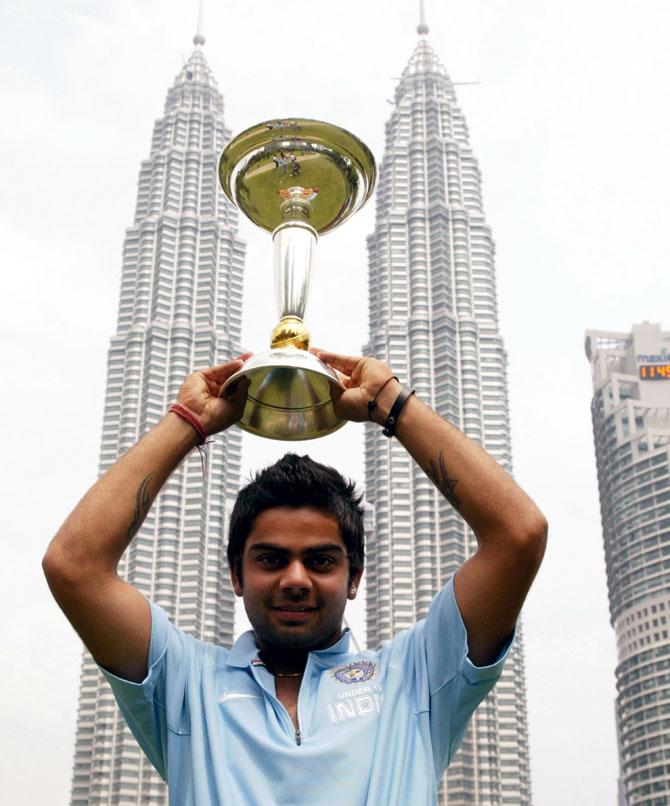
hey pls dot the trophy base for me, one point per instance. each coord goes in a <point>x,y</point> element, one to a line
<point>290,395</point>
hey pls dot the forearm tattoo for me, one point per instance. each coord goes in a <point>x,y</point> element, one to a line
<point>142,506</point>
<point>440,478</point>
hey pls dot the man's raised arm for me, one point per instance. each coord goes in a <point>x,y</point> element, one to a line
<point>111,616</point>
<point>511,532</point>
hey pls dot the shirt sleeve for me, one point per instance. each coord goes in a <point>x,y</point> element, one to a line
<point>157,704</point>
<point>450,686</point>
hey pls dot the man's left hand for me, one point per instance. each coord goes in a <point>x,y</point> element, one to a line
<point>362,379</point>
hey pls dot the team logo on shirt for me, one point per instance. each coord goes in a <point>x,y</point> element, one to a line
<point>357,672</point>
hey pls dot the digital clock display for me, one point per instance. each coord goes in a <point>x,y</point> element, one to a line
<point>655,372</point>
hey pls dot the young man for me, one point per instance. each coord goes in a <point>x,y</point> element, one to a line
<point>289,715</point>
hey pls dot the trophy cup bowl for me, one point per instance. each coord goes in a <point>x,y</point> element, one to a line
<point>296,178</point>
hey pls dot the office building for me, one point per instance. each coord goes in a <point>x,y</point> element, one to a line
<point>180,308</point>
<point>631,427</point>
<point>434,318</point>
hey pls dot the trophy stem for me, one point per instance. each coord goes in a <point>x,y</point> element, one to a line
<point>294,244</point>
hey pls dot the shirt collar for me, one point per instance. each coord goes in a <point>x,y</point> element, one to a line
<point>245,649</point>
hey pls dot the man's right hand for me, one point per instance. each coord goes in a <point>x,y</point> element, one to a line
<point>110,615</point>
<point>201,395</point>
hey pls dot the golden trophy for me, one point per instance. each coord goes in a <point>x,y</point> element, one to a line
<point>295,178</point>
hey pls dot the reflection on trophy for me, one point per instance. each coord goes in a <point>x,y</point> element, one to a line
<point>295,178</point>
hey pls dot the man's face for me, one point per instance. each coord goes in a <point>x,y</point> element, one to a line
<point>295,578</point>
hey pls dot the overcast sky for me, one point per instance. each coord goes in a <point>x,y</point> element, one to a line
<point>570,124</point>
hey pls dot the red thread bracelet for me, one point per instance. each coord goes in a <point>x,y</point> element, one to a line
<point>186,415</point>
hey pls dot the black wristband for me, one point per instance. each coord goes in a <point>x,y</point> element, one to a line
<point>396,408</point>
<point>372,404</point>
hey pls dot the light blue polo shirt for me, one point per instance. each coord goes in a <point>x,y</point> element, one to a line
<point>376,728</point>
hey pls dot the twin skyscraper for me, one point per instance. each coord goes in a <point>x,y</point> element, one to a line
<point>432,315</point>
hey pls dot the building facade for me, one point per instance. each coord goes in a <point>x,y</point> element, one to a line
<point>433,317</point>
<point>631,427</point>
<point>180,308</point>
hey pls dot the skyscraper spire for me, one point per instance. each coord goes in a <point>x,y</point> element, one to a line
<point>199,38</point>
<point>422,27</point>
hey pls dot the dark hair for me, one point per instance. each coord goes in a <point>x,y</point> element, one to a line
<point>298,481</point>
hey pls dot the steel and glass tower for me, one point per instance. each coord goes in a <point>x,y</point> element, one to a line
<point>180,308</point>
<point>631,427</point>
<point>433,317</point>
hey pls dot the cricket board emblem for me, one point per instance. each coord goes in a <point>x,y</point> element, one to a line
<point>357,672</point>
